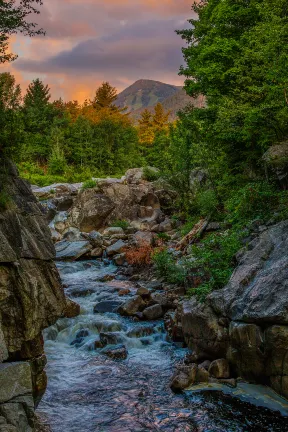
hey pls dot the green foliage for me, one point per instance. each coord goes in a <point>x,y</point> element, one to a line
<point>151,174</point>
<point>206,202</point>
<point>168,269</point>
<point>213,261</point>
<point>121,223</point>
<point>163,236</point>
<point>89,184</point>
<point>254,200</point>
<point>57,161</point>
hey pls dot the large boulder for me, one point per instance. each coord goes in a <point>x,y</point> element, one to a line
<point>31,299</point>
<point>276,158</point>
<point>246,322</point>
<point>66,250</point>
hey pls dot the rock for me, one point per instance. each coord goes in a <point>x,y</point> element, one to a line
<point>131,306</point>
<point>116,248</point>
<point>96,253</point>
<point>154,285</point>
<point>202,375</point>
<point>72,235</point>
<point>144,237</point>
<point>118,352</point>
<point>143,292</point>
<point>112,231</point>
<point>120,259</point>
<point>163,300</point>
<point>173,327</point>
<point>183,378</point>
<point>110,338</point>
<point>140,331</point>
<point>72,309</point>
<point>55,235</point>
<point>90,210</point>
<point>153,312</point>
<point>134,175</point>
<point>63,203</point>
<point>95,239</point>
<point>246,322</point>
<point>219,369</point>
<point>15,380</point>
<point>165,226</point>
<point>205,365</point>
<point>66,250</point>
<point>276,158</point>
<point>124,292</point>
<point>107,306</point>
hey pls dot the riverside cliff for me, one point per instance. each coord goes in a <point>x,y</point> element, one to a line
<point>31,299</point>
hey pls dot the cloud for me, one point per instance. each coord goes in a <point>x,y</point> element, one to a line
<point>88,41</point>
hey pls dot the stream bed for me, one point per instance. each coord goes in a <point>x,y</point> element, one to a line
<point>91,392</point>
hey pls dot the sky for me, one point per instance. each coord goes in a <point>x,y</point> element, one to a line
<point>91,41</point>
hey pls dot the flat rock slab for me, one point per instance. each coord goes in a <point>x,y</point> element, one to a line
<point>258,395</point>
<point>66,250</point>
<point>15,380</point>
<point>107,306</point>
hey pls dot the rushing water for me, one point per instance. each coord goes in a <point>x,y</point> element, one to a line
<point>89,392</point>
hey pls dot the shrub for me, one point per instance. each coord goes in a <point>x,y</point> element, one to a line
<point>140,256</point>
<point>121,224</point>
<point>163,237</point>
<point>89,184</point>
<point>167,268</point>
<point>252,201</point>
<point>57,162</point>
<point>214,262</point>
<point>151,174</point>
<point>206,202</point>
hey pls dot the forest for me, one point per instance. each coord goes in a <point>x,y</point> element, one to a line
<point>236,57</point>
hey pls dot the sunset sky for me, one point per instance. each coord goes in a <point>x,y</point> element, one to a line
<point>89,41</point>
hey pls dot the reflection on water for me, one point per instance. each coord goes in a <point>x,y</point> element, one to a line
<point>88,391</point>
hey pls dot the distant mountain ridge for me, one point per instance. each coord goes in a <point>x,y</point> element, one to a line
<point>147,93</point>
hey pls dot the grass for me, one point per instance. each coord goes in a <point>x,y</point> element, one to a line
<point>120,223</point>
<point>89,184</point>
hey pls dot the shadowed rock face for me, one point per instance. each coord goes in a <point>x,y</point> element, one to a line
<point>31,297</point>
<point>247,321</point>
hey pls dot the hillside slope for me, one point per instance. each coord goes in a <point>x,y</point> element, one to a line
<point>145,94</point>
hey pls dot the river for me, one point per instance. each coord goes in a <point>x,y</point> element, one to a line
<point>90,392</point>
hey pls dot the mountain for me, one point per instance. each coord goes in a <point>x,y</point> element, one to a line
<point>147,93</point>
<point>144,93</point>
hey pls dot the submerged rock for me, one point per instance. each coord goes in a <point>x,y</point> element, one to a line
<point>117,352</point>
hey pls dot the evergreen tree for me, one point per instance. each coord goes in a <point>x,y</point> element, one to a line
<point>160,119</point>
<point>38,95</point>
<point>145,128</point>
<point>10,92</point>
<point>105,97</point>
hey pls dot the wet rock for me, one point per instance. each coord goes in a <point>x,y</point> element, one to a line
<point>202,375</point>
<point>116,248</point>
<point>183,378</point>
<point>154,285</point>
<point>120,259</point>
<point>132,306</point>
<point>124,292</point>
<point>66,250</point>
<point>220,369</point>
<point>55,235</point>
<point>140,331</point>
<point>80,337</point>
<point>97,252</point>
<point>95,239</point>
<point>143,292</point>
<point>110,338</point>
<point>118,352</point>
<point>173,327</point>
<point>153,312</point>
<point>205,365</point>
<point>72,309</point>
<point>107,306</point>
<point>97,343</point>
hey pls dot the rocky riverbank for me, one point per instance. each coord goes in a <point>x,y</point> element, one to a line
<point>239,333</point>
<point>31,299</point>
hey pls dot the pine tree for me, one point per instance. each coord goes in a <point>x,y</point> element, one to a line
<point>38,95</point>
<point>10,93</point>
<point>105,97</point>
<point>160,119</point>
<point>145,129</point>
